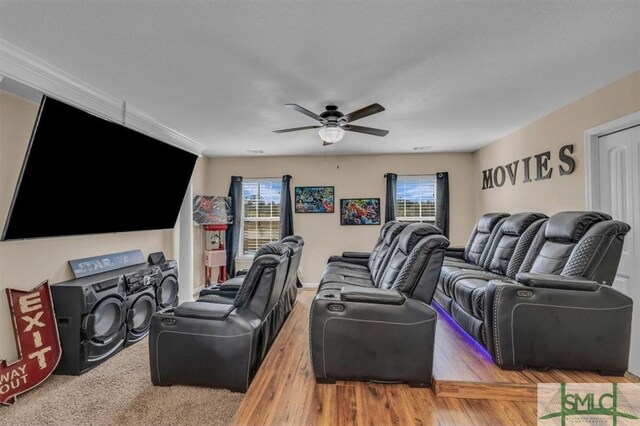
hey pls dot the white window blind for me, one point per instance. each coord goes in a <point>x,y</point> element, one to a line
<point>260,213</point>
<point>416,198</point>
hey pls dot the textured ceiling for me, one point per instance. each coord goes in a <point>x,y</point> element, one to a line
<point>452,75</point>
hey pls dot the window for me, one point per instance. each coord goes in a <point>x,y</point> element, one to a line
<point>260,214</point>
<point>416,198</point>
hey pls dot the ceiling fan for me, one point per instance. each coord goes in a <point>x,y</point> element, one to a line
<point>334,123</point>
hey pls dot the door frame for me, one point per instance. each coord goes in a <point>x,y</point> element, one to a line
<point>592,155</point>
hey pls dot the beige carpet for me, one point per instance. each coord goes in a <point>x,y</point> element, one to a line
<point>119,392</point>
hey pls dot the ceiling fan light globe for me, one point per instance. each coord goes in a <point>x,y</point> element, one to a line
<point>331,134</point>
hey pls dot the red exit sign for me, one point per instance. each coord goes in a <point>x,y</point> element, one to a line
<point>37,341</point>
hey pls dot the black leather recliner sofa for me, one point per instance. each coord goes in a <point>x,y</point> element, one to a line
<point>220,339</point>
<point>370,319</point>
<point>540,295</point>
<point>229,288</point>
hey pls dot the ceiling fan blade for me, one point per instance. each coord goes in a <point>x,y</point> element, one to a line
<point>361,113</point>
<point>325,143</point>
<point>295,129</point>
<point>367,130</point>
<point>306,112</point>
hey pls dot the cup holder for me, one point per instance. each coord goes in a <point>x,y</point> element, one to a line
<point>330,296</point>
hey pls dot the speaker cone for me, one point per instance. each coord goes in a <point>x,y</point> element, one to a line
<point>168,291</point>
<point>143,309</point>
<point>108,319</point>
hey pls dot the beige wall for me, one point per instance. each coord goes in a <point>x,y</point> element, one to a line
<point>199,181</point>
<point>24,264</point>
<point>352,176</point>
<point>549,133</point>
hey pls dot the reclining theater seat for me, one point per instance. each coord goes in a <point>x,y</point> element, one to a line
<point>474,253</point>
<point>295,243</point>
<point>214,343</point>
<point>387,333</point>
<point>462,291</point>
<point>416,242</point>
<point>290,291</point>
<point>510,242</point>
<point>364,265</point>
<point>561,310</point>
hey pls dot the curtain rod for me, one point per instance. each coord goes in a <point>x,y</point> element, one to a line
<point>421,174</point>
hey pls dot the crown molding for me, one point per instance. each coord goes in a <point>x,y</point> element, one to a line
<point>28,69</point>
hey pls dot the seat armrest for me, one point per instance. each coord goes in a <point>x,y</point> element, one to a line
<point>556,281</point>
<point>200,310</point>
<point>232,284</point>
<point>456,252</point>
<point>354,260</point>
<point>356,254</point>
<point>231,287</point>
<point>372,295</point>
<point>573,329</point>
<point>228,288</point>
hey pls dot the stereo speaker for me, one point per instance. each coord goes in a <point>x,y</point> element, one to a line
<point>141,302</point>
<point>90,313</point>
<point>167,290</point>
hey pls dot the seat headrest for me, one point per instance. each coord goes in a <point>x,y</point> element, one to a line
<point>394,231</point>
<point>293,239</point>
<point>517,223</point>
<point>488,221</point>
<point>279,249</point>
<point>386,227</point>
<point>569,227</point>
<point>413,233</point>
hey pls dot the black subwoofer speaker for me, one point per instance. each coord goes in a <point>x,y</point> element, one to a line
<point>90,313</point>
<point>167,290</point>
<point>141,304</point>
<point>140,308</point>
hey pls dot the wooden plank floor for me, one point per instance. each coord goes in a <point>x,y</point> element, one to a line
<point>284,392</point>
<point>463,369</point>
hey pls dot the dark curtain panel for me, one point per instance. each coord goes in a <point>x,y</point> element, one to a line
<point>390,200</point>
<point>442,202</point>
<point>232,236</point>
<point>286,213</point>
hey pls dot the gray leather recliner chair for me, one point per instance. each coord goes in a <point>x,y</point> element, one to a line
<point>561,311</point>
<point>220,341</point>
<point>366,265</point>
<point>381,328</point>
<point>461,289</point>
<point>474,254</point>
<point>543,296</point>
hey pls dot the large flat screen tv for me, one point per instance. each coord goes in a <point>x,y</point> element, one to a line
<point>86,175</point>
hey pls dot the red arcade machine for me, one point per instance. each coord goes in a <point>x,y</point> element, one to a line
<point>214,214</point>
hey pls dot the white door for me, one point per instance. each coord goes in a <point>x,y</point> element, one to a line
<point>619,156</point>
